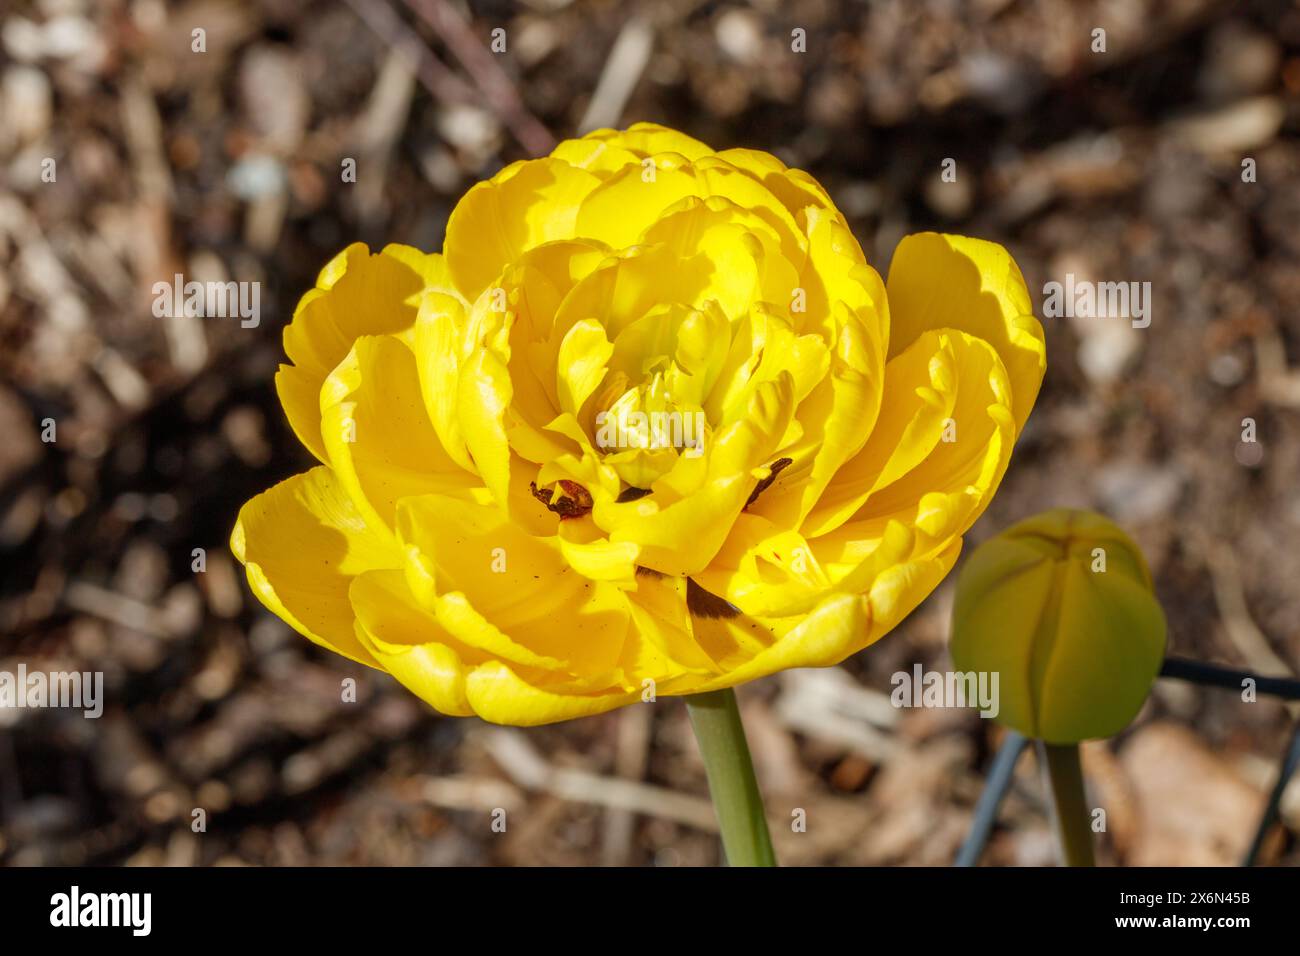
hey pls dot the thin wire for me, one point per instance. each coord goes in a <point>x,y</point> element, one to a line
<point>986,810</point>
<point>1182,668</point>
<point>1290,760</point>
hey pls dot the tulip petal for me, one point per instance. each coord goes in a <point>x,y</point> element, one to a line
<point>897,590</point>
<point>409,644</point>
<point>584,354</point>
<point>836,628</point>
<point>484,392</point>
<point>793,187</point>
<point>663,622</point>
<point>377,432</point>
<point>302,543</point>
<point>356,294</point>
<point>940,281</point>
<point>598,157</point>
<point>839,415</point>
<point>755,257</point>
<point>836,419</point>
<point>459,679</point>
<point>441,344</point>
<point>392,613</point>
<point>647,139</point>
<point>526,204</point>
<point>594,556</point>
<point>518,584</point>
<point>500,695</point>
<point>841,624</point>
<point>936,474</point>
<point>619,210</point>
<point>765,570</point>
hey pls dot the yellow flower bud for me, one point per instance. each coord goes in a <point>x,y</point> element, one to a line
<point>1061,606</point>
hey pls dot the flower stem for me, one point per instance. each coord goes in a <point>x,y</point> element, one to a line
<point>1064,776</point>
<point>736,800</point>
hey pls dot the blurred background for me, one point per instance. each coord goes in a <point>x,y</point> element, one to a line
<point>225,164</point>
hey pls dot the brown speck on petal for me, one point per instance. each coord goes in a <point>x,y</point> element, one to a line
<point>702,603</point>
<point>541,494</point>
<point>631,494</point>
<point>774,469</point>
<point>573,503</point>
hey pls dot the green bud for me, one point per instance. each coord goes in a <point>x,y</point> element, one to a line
<point>1061,606</point>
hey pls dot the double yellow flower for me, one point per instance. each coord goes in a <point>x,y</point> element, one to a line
<point>650,425</point>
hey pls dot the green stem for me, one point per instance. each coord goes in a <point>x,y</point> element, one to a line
<point>1064,776</point>
<point>736,800</point>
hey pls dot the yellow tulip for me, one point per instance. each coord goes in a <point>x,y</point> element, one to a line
<point>1061,607</point>
<point>649,425</point>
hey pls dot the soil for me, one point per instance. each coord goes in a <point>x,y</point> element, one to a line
<point>1170,158</point>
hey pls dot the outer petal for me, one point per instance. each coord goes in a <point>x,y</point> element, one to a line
<point>842,623</point>
<point>377,432</point>
<point>356,294</point>
<point>908,471</point>
<point>599,157</point>
<point>508,592</point>
<point>897,592</point>
<point>665,627</point>
<point>940,281</point>
<point>302,543</point>
<point>646,139</point>
<point>766,571</point>
<point>483,397</point>
<point>839,414</point>
<point>499,695</point>
<point>795,188</point>
<point>631,200</point>
<point>838,627</point>
<point>943,495</point>
<point>442,345</point>
<point>526,204</point>
<point>408,644</point>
